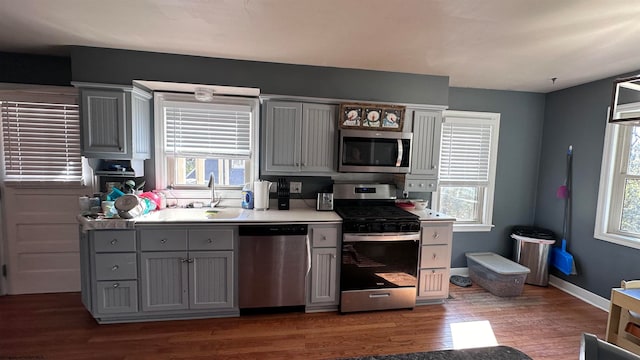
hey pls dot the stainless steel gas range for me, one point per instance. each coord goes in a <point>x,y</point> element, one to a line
<point>380,246</point>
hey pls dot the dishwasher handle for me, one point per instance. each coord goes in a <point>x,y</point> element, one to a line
<point>308,241</point>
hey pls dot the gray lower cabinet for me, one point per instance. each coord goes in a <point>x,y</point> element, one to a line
<point>323,284</point>
<point>200,276</point>
<point>299,138</point>
<point>435,261</point>
<point>112,279</point>
<point>187,280</point>
<point>159,273</point>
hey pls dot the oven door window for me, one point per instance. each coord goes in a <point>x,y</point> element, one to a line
<point>379,265</point>
<point>375,152</point>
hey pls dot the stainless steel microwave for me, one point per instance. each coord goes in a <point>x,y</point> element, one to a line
<point>374,151</point>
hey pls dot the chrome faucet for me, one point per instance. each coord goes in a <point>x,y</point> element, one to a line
<point>212,185</point>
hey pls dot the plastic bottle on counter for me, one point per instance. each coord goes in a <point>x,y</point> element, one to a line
<point>163,199</point>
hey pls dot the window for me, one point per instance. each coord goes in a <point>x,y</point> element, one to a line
<point>468,152</point>
<point>41,138</point>
<point>203,138</point>
<point>618,213</point>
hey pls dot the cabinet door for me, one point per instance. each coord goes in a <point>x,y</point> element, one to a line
<point>318,138</point>
<point>425,153</point>
<point>140,124</point>
<point>165,278</point>
<point>433,284</point>
<point>103,123</point>
<point>324,276</point>
<point>117,296</point>
<point>283,121</point>
<point>211,279</point>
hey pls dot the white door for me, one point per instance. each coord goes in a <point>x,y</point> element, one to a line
<point>41,248</point>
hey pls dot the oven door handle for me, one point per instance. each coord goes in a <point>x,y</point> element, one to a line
<point>380,237</point>
<point>400,151</point>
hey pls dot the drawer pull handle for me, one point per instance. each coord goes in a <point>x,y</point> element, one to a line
<point>436,235</point>
<point>163,241</point>
<point>116,285</point>
<point>210,241</point>
<point>114,241</point>
<point>184,260</point>
<point>115,267</point>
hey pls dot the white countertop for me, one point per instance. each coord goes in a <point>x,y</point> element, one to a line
<point>231,215</point>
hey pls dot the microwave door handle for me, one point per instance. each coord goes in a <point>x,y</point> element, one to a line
<point>400,150</point>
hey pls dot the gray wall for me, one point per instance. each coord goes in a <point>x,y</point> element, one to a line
<point>521,119</point>
<point>577,116</point>
<point>112,66</point>
<point>35,69</point>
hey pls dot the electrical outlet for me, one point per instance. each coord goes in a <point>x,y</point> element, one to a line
<point>295,187</point>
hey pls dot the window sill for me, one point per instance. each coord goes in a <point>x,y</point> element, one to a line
<point>472,227</point>
<point>627,241</point>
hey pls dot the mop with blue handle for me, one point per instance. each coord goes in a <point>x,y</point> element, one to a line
<point>560,258</point>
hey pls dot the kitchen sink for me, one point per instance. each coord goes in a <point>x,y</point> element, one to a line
<point>191,215</point>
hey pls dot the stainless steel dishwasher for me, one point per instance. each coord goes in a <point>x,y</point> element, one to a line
<point>273,262</point>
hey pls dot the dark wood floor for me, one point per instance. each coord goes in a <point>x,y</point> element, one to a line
<point>545,323</point>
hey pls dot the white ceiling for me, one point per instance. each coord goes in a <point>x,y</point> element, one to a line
<point>491,44</point>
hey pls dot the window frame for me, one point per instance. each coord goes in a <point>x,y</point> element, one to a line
<point>485,207</point>
<point>161,175</point>
<point>611,188</point>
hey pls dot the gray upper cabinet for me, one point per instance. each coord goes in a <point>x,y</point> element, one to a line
<point>299,137</point>
<point>426,126</point>
<point>115,121</point>
<point>425,153</point>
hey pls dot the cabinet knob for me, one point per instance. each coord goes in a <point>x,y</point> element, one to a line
<point>433,167</point>
<point>431,184</point>
<point>120,148</point>
<point>184,260</point>
<point>411,185</point>
<point>115,267</point>
<point>324,238</point>
<point>163,241</point>
<point>434,256</point>
<point>114,241</point>
<point>436,235</point>
<point>210,240</point>
<point>421,185</point>
<point>190,261</point>
<point>115,285</point>
<point>333,256</point>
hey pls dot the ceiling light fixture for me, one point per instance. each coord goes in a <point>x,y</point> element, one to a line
<point>203,94</point>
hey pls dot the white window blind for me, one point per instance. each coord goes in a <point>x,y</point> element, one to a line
<point>213,130</point>
<point>465,152</point>
<point>41,141</point>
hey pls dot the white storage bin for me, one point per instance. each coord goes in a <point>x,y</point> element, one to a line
<point>500,276</point>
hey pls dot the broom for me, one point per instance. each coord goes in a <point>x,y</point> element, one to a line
<point>560,258</point>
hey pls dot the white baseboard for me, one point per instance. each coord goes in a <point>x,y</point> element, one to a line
<point>571,289</point>
<point>582,294</point>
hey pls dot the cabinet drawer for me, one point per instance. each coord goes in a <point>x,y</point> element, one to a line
<point>211,239</point>
<point>436,234</point>
<point>116,266</point>
<point>114,240</point>
<point>435,256</point>
<point>163,240</point>
<point>117,296</point>
<point>324,236</point>
<point>421,185</point>
<point>433,283</point>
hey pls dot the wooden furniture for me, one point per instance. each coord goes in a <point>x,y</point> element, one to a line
<point>623,300</point>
